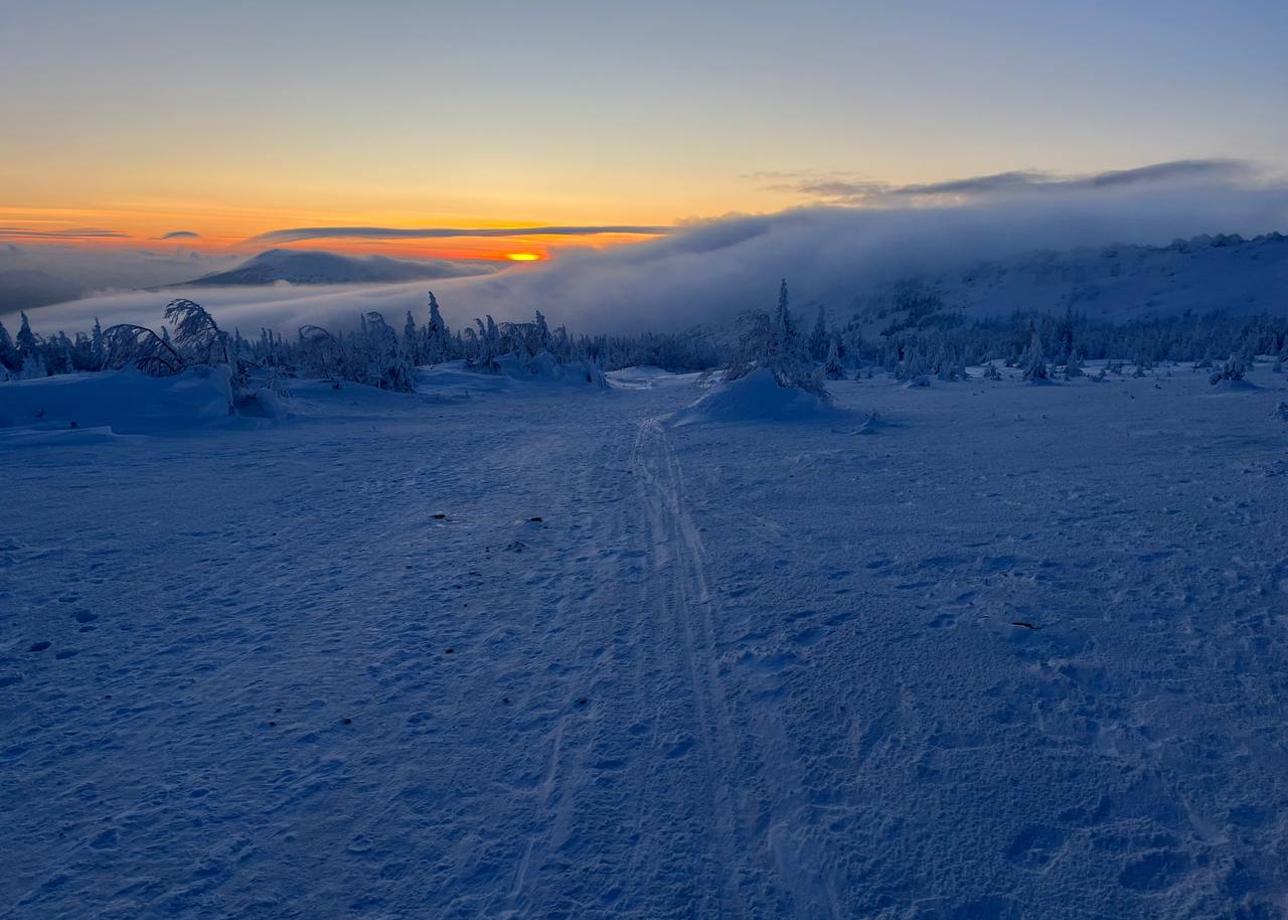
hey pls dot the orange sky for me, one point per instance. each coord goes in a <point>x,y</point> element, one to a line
<point>232,229</point>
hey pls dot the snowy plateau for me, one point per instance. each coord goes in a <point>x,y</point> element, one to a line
<point>670,646</point>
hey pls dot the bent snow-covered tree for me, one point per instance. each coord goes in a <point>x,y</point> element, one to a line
<point>197,334</point>
<point>127,344</point>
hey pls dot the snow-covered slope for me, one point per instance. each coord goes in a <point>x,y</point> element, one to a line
<point>310,267</point>
<point>1210,273</point>
<point>531,652</point>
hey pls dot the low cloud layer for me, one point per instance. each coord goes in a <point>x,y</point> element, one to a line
<point>298,234</point>
<point>711,270</point>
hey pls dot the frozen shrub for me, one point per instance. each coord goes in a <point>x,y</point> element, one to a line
<point>1232,370</point>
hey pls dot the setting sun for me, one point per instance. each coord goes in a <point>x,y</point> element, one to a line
<point>523,257</point>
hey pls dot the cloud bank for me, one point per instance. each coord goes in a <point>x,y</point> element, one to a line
<point>709,271</point>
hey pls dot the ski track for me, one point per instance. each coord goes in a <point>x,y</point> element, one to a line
<point>735,670</point>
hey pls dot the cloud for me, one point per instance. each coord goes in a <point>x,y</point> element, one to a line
<point>416,233</point>
<point>181,235</point>
<point>85,233</point>
<point>709,271</point>
<point>848,190</point>
<point>53,271</point>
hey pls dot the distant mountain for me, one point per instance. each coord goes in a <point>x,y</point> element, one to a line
<point>310,267</point>
<point>1224,273</point>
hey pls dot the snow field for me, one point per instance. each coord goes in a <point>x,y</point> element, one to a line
<point>1020,652</point>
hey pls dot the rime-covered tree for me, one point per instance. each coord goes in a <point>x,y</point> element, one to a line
<point>412,341</point>
<point>913,369</point>
<point>57,354</point>
<point>10,360</point>
<point>196,334</point>
<point>786,339</point>
<point>95,354</point>
<point>819,340</point>
<point>439,345</point>
<point>27,343</point>
<point>128,344</point>
<point>382,362</point>
<point>1033,361</point>
<point>774,344</point>
<point>832,368</point>
<point>1233,370</point>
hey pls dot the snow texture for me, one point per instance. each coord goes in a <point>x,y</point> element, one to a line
<point>496,649</point>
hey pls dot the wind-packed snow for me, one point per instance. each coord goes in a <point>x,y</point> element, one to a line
<point>505,648</point>
<point>127,402</point>
<point>755,397</point>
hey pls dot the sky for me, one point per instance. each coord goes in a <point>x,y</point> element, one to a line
<point>224,122</point>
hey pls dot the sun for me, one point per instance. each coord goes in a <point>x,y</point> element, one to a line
<point>522,256</point>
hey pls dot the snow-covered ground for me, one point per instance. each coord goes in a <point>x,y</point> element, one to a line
<point>499,649</point>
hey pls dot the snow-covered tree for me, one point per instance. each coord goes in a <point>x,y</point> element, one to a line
<point>1033,362</point>
<point>913,369</point>
<point>832,368</point>
<point>819,340</point>
<point>27,343</point>
<point>773,343</point>
<point>10,360</point>
<point>196,334</point>
<point>1232,370</point>
<point>438,339</point>
<point>381,360</point>
<point>412,343</point>
<point>130,344</point>
<point>1073,366</point>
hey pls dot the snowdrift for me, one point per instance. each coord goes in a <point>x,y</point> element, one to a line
<point>755,398</point>
<point>120,402</point>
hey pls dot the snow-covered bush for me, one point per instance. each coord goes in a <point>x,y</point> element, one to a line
<point>1231,371</point>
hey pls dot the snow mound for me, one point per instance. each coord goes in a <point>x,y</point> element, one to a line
<point>756,397</point>
<point>120,402</point>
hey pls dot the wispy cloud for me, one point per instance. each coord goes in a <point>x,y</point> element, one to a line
<point>181,235</point>
<point>82,233</point>
<point>297,234</point>
<point>847,189</point>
